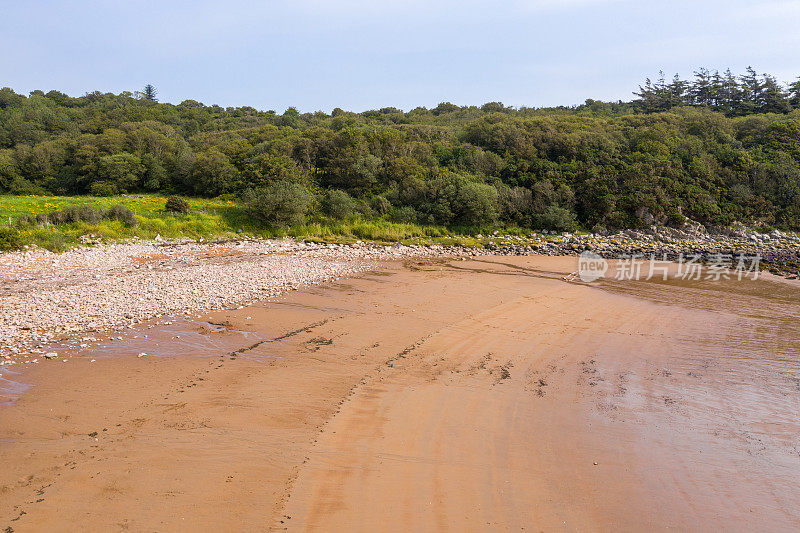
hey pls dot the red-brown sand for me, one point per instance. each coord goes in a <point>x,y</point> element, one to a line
<point>433,395</point>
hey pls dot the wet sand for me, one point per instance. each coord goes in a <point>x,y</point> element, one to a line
<point>433,395</point>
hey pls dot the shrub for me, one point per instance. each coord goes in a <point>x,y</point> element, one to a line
<point>121,213</point>
<point>213,174</point>
<point>82,213</point>
<point>26,220</point>
<point>176,204</point>
<point>338,204</point>
<point>516,204</point>
<point>103,188</point>
<point>75,213</point>
<point>279,204</point>
<point>9,239</point>
<point>122,170</point>
<point>364,210</point>
<point>380,205</point>
<point>405,214</point>
<point>476,203</point>
<point>556,218</point>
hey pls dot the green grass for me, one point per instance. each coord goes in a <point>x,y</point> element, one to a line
<point>211,219</point>
<point>380,231</point>
<point>144,205</point>
<point>208,219</point>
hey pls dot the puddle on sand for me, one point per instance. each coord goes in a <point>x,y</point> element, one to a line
<point>182,337</point>
<point>10,389</point>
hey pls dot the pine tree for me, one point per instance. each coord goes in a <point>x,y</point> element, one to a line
<point>661,91</point>
<point>751,89</point>
<point>150,93</point>
<point>717,90</point>
<point>774,97</point>
<point>735,96</point>
<point>656,97</point>
<point>731,94</point>
<point>701,91</point>
<point>678,93</point>
<point>647,97</point>
<point>794,94</point>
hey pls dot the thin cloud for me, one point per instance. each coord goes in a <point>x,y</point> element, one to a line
<point>370,6</point>
<point>551,5</point>
<point>780,9</point>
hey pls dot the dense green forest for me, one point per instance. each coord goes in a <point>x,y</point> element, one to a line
<point>716,148</point>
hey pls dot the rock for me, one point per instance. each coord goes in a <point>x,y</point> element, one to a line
<point>125,288</point>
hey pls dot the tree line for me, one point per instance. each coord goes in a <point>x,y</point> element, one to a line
<point>727,93</point>
<point>600,165</point>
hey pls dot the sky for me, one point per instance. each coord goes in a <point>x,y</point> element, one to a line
<point>359,54</point>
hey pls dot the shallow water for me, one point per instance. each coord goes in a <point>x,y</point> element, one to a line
<point>721,407</point>
<point>10,389</point>
<point>181,338</point>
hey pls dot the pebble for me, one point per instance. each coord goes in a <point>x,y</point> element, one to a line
<point>50,297</point>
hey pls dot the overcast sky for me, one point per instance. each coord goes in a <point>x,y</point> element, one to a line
<point>359,54</point>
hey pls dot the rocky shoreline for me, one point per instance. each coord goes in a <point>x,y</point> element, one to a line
<point>778,252</point>
<point>47,297</point>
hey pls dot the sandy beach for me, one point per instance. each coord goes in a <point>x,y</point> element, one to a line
<point>424,394</point>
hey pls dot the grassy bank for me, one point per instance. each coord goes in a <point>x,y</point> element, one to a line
<point>208,219</point>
